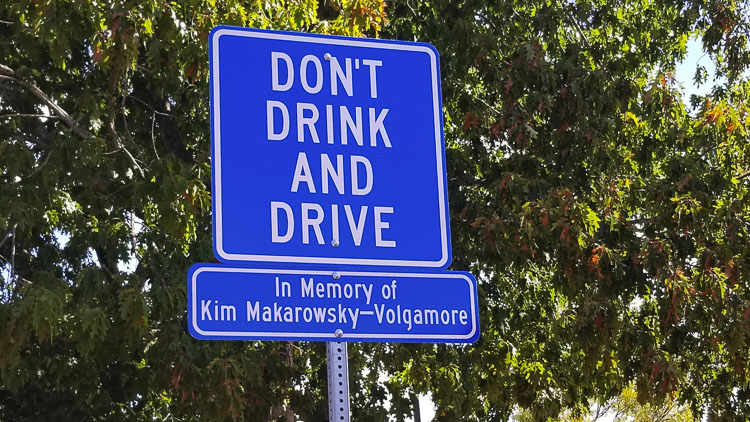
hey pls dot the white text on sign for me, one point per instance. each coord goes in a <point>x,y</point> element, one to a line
<point>355,301</point>
<point>339,174</point>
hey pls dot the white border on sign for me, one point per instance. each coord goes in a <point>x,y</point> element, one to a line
<point>329,335</point>
<point>218,239</point>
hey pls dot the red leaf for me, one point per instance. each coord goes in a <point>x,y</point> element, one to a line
<point>191,70</point>
<point>505,181</point>
<point>470,121</point>
<point>97,55</point>
<point>480,58</point>
<point>599,322</point>
<point>115,24</point>
<point>495,130</point>
<point>564,234</point>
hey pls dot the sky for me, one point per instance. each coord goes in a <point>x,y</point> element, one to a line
<point>686,70</point>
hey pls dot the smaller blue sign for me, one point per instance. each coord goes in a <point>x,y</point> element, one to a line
<point>237,303</point>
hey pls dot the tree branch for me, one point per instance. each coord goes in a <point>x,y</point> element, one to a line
<point>153,138</point>
<point>46,116</point>
<point>63,115</point>
<point>13,253</point>
<point>642,220</point>
<point>149,106</point>
<point>171,134</point>
<point>116,140</point>
<point>41,166</point>
<point>7,235</point>
<point>573,20</point>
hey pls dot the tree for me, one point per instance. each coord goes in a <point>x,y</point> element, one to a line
<point>625,408</point>
<point>606,220</point>
<point>610,224</point>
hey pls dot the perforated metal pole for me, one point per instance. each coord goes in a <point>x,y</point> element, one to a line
<point>338,382</point>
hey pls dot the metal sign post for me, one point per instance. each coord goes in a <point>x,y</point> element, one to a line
<point>338,382</point>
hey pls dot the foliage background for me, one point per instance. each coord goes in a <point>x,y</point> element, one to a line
<point>605,215</point>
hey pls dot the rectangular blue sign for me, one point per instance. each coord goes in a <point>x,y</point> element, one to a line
<point>327,150</point>
<point>236,303</point>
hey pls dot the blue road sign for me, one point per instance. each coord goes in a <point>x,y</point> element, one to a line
<point>327,150</point>
<point>236,303</point>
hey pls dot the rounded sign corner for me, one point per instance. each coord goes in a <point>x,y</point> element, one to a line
<point>430,50</point>
<point>474,337</point>
<point>218,31</point>
<point>220,253</point>
<point>196,332</point>
<point>196,269</point>
<point>445,261</point>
